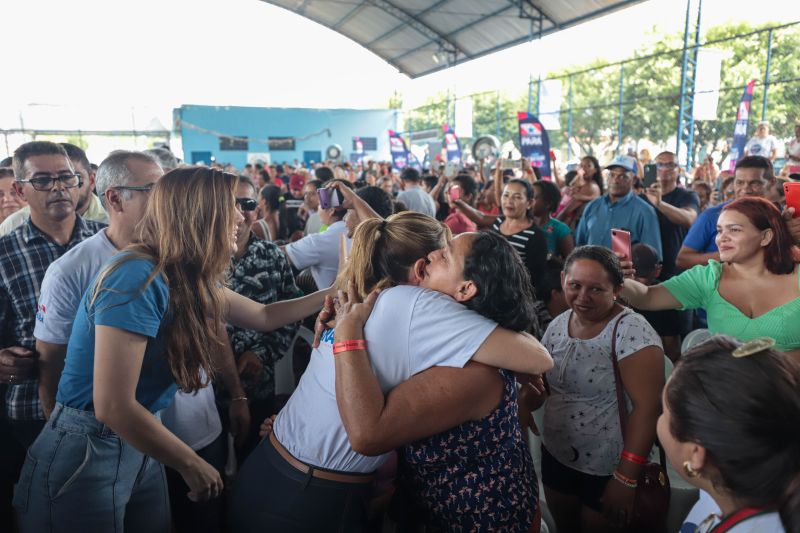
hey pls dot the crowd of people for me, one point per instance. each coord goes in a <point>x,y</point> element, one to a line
<point>145,305</point>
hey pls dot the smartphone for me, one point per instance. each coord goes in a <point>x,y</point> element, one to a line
<point>650,174</point>
<point>572,166</point>
<point>621,243</point>
<point>329,198</point>
<point>511,164</point>
<point>455,192</point>
<point>792,191</point>
<point>450,169</point>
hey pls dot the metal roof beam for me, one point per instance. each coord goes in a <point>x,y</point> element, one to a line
<point>457,30</point>
<point>350,14</point>
<point>301,9</point>
<point>401,26</point>
<point>525,6</point>
<point>422,27</point>
<point>566,24</point>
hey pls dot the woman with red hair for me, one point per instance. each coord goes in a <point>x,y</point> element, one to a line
<point>754,291</point>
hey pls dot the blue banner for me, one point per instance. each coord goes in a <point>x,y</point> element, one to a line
<point>358,151</point>
<point>740,128</point>
<point>401,156</point>
<point>534,144</point>
<point>452,145</point>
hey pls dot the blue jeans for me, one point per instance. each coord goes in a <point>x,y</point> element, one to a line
<point>80,476</point>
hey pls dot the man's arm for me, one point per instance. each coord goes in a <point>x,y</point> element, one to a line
<point>51,364</point>
<point>688,257</point>
<point>681,216</point>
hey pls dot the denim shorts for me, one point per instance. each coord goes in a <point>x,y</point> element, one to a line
<point>80,476</point>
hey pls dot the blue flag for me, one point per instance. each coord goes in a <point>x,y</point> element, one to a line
<point>452,145</point>
<point>401,157</point>
<point>740,128</point>
<point>534,144</point>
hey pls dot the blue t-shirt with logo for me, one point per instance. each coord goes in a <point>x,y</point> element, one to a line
<point>122,302</point>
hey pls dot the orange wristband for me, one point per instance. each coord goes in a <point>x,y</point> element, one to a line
<point>348,346</point>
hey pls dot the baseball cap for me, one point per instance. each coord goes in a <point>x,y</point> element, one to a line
<point>624,161</point>
<point>296,182</point>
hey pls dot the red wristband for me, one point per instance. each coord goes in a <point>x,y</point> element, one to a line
<point>633,458</point>
<point>347,346</point>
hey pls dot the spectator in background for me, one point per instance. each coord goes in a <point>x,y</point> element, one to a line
<point>487,200</point>
<point>751,177</point>
<point>550,295</point>
<point>436,188</point>
<point>268,224</point>
<point>7,162</point>
<point>793,151</point>
<point>311,205</point>
<point>703,191</point>
<point>762,143</point>
<point>376,198</point>
<point>320,252</point>
<point>620,209</point>
<point>546,198</point>
<point>261,272</point>
<point>666,323</point>
<point>88,205</point>
<point>584,188</point>
<point>677,209</point>
<point>323,174</point>
<point>386,184</point>
<point>49,183</point>
<point>462,187</point>
<point>412,195</point>
<point>775,192</point>
<point>10,201</point>
<point>165,158</point>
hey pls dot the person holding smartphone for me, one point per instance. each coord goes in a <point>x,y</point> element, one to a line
<point>464,188</point>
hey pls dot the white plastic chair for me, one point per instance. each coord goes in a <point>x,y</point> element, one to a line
<point>284,368</point>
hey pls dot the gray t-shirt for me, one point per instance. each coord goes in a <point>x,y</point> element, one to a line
<point>415,199</point>
<point>581,419</point>
<point>192,417</point>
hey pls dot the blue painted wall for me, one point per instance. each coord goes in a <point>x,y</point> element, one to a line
<point>261,123</point>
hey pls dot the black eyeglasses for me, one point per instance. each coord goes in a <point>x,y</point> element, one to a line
<point>69,180</point>
<point>141,188</point>
<point>246,204</point>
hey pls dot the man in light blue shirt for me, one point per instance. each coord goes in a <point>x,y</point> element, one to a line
<point>621,208</point>
<point>413,197</point>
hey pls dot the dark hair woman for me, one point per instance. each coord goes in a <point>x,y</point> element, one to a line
<point>753,292</point>
<point>589,467</point>
<point>304,475</point>
<point>268,225</point>
<point>516,223</point>
<point>546,198</point>
<point>587,185</point>
<point>729,428</point>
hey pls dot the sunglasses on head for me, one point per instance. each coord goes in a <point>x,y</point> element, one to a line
<point>246,204</point>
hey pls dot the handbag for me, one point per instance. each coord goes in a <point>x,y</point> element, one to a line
<point>653,491</point>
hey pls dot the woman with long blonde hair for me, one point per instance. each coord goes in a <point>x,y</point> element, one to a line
<point>149,323</point>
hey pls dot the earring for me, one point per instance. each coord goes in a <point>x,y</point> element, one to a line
<point>690,472</point>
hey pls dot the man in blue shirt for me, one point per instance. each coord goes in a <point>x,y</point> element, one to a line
<point>621,208</point>
<point>751,177</point>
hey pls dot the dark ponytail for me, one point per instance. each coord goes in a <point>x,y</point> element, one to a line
<point>746,413</point>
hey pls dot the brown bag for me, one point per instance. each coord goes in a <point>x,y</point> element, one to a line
<point>653,492</point>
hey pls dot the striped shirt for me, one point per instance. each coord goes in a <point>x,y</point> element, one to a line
<point>531,244</point>
<point>25,254</point>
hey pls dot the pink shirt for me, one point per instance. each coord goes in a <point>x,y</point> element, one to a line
<point>459,223</point>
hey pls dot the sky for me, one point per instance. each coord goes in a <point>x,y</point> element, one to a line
<point>96,64</point>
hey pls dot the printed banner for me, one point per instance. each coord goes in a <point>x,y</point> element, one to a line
<point>534,144</point>
<point>452,145</point>
<point>740,128</point>
<point>706,83</point>
<point>357,156</point>
<point>401,157</point>
<point>550,104</point>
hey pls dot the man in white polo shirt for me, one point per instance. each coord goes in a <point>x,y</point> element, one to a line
<point>320,252</point>
<point>124,181</point>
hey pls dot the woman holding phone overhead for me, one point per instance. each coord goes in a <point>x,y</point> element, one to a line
<point>148,323</point>
<point>754,291</point>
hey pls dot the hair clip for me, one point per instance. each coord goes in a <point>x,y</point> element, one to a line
<point>754,346</point>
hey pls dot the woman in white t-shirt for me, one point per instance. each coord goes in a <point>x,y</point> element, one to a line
<point>306,476</point>
<point>730,428</point>
<point>589,470</point>
<point>762,143</point>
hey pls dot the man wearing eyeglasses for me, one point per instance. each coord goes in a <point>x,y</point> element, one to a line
<point>88,205</point>
<point>751,177</point>
<point>46,179</point>
<point>676,208</point>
